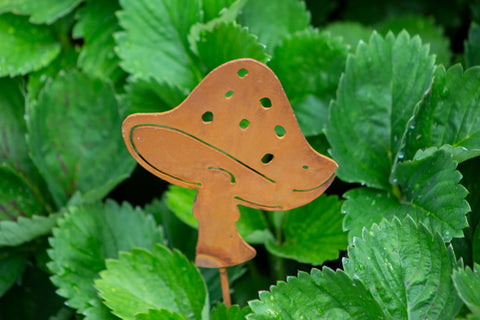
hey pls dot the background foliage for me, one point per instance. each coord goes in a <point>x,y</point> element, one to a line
<point>390,90</point>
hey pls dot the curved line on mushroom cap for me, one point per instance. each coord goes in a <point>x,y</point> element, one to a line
<point>232,177</point>
<point>258,204</point>
<point>167,174</point>
<point>199,140</point>
<point>326,182</point>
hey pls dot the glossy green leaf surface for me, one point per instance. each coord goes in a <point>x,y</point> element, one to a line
<point>350,32</point>
<point>431,194</point>
<point>88,235</point>
<point>40,11</point>
<point>426,28</point>
<point>178,235</point>
<point>320,294</point>
<point>75,147</point>
<point>377,95</point>
<point>321,237</point>
<point>243,44</point>
<point>450,114</point>
<point>150,96</point>
<point>154,36</point>
<point>309,65</point>
<point>155,314</point>
<point>96,24</point>
<point>25,47</point>
<point>467,283</point>
<point>213,8</point>
<point>160,279</point>
<point>22,230</point>
<point>393,260</point>
<point>221,312</point>
<point>13,149</point>
<point>66,60</point>
<point>289,16</point>
<point>17,199</point>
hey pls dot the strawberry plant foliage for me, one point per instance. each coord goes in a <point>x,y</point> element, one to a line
<point>25,47</point>
<point>376,97</point>
<point>143,280</point>
<point>66,151</point>
<point>392,95</point>
<point>88,235</point>
<point>383,279</point>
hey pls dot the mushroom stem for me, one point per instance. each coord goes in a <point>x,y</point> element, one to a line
<point>225,287</point>
<point>219,243</point>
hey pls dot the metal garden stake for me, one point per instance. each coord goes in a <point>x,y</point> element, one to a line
<point>236,140</point>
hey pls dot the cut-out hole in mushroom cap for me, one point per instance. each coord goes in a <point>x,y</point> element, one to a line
<point>266,102</point>
<point>242,72</point>
<point>207,116</point>
<point>280,131</point>
<point>267,158</point>
<point>228,94</point>
<point>305,167</point>
<point>244,123</point>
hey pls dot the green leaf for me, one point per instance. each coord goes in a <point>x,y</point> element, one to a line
<point>431,194</point>
<point>74,132</point>
<point>178,235</point>
<point>431,185</point>
<point>472,46</point>
<point>365,206</point>
<point>96,310</point>
<point>17,199</point>
<point>13,149</point>
<point>14,233</point>
<point>428,31</point>
<point>225,16</point>
<point>40,11</point>
<point>406,269</point>
<point>25,47</point>
<point>88,235</point>
<point>321,237</point>
<point>155,36</point>
<point>96,24</point>
<point>180,201</point>
<point>214,8</point>
<point>221,312</point>
<point>155,314</point>
<point>467,282</point>
<point>160,279</point>
<point>65,62</point>
<point>252,226</point>
<point>12,265</point>
<point>310,63</point>
<point>151,96</point>
<point>450,114</point>
<point>376,97</point>
<point>319,295</point>
<point>213,52</point>
<point>274,21</point>
<point>350,32</point>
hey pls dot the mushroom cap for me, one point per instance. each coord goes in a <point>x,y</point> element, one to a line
<point>236,127</point>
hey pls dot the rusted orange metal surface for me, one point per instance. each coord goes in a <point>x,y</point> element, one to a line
<point>236,140</point>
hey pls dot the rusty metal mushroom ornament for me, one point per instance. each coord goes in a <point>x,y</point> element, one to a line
<point>236,140</point>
